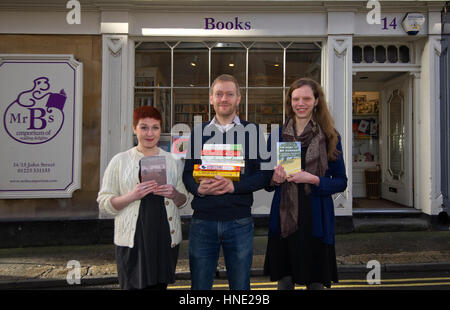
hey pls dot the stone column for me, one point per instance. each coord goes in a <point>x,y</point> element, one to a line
<point>115,106</point>
<point>338,87</point>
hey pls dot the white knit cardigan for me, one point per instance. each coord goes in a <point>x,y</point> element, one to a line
<point>121,177</point>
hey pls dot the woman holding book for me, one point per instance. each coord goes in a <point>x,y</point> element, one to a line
<point>301,240</point>
<point>147,227</point>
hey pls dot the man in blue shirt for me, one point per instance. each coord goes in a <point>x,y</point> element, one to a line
<point>222,208</point>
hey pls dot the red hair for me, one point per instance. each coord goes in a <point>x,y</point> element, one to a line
<point>144,112</point>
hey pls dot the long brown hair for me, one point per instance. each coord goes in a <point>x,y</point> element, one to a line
<point>321,113</point>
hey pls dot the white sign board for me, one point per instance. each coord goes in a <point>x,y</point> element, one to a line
<point>40,137</point>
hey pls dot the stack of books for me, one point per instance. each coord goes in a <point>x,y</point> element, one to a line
<point>226,160</point>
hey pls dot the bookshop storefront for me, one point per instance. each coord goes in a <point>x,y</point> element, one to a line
<point>372,76</point>
<point>381,84</point>
<point>263,68</point>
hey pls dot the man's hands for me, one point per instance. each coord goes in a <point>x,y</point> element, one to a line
<point>215,186</point>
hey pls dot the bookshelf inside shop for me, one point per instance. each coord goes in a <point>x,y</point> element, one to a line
<point>189,103</point>
<point>145,78</point>
<point>265,107</point>
<point>365,129</point>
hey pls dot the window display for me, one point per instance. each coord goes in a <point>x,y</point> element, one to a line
<point>174,77</point>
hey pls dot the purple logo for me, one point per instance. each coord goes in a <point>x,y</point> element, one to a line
<point>36,116</point>
<point>212,24</point>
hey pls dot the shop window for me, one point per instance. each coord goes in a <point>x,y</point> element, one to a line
<point>264,106</point>
<point>228,58</point>
<point>154,55</point>
<point>404,54</point>
<point>380,54</point>
<point>152,79</point>
<point>396,137</point>
<point>357,54</point>
<point>189,102</point>
<point>392,54</point>
<point>175,77</point>
<point>304,59</point>
<point>191,65</point>
<point>265,65</point>
<point>368,54</point>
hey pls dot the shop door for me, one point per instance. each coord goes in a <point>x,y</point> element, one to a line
<point>396,141</point>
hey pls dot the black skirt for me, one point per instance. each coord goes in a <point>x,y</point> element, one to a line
<point>300,255</point>
<point>152,260</point>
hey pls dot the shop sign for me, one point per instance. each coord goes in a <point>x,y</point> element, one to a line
<point>234,24</point>
<point>40,105</point>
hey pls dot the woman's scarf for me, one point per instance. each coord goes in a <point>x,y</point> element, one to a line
<point>316,164</point>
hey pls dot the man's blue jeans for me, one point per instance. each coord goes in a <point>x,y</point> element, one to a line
<point>236,239</point>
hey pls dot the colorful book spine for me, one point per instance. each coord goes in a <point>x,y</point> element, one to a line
<point>220,159</point>
<point>220,153</point>
<point>238,163</point>
<point>232,175</point>
<point>226,147</point>
<point>217,167</point>
<point>224,158</point>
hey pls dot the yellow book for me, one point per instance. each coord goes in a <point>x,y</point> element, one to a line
<point>232,175</point>
<point>289,156</point>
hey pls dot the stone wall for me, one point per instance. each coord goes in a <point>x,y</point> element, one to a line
<point>88,50</point>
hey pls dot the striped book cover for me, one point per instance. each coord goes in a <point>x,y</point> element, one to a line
<point>217,167</point>
<point>232,175</point>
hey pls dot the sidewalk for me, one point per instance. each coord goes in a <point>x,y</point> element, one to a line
<point>396,251</point>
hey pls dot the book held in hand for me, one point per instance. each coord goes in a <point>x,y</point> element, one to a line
<point>226,160</point>
<point>232,175</point>
<point>289,155</point>
<point>154,168</point>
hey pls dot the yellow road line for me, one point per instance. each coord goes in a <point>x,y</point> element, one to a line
<point>392,285</point>
<point>399,280</point>
<point>255,286</point>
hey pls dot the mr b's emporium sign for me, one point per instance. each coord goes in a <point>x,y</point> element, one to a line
<point>41,109</point>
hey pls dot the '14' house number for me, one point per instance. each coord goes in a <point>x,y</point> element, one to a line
<point>392,24</point>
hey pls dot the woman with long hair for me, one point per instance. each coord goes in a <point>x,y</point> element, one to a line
<point>300,247</point>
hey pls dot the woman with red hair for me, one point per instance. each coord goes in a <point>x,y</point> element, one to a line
<point>147,226</point>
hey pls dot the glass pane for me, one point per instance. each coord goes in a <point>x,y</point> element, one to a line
<point>404,54</point>
<point>357,54</point>
<point>228,58</point>
<point>380,54</point>
<point>368,54</point>
<point>152,64</point>
<point>190,65</point>
<point>189,102</point>
<point>265,106</point>
<point>302,60</point>
<point>242,105</point>
<point>158,98</point>
<point>392,54</point>
<point>396,134</point>
<point>265,65</point>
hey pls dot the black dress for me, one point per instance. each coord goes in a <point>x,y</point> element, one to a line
<point>152,260</point>
<point>300,255</point>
